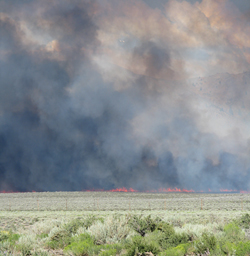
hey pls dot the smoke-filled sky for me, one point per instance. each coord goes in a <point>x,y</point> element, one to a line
<point>145,94</point>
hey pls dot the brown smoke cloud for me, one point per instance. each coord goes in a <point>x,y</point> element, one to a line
<point>216,27</point>
<point>111,93</point>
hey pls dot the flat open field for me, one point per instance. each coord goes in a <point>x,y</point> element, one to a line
<point>119,201</point>
<point>37,219</point>
<point>23,209</point>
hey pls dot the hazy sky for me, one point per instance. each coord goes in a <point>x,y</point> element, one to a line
<point>145,94</point>
<point>242,5</point>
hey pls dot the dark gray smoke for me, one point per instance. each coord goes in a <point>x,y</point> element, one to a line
<point>87,104</point>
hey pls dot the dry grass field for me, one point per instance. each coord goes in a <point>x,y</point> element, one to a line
<point>119,201</point>
<point>37,217</point>
<point>21,210</point>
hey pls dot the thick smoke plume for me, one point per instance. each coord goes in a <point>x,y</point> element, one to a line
<point>144,94</point>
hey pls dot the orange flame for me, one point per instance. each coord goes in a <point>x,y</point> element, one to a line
<point>171,190</point>
<point>123,190</point>
<point>160,190</point>
<point>228,190</point>
<point>9,191</point>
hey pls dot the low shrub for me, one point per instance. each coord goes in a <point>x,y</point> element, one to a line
<point>244,221</point>
<point>113,230</point>
<point>42,236</point>
<point>4,235</point>
<point>6,247</point>
<point>80,247</point>
<point>24,249</point>
<point>58,238</point>
<point>169,238</point>
<point>84,244</point>
<point>91,220</point>
<point>179,250</point>
<point>13,238</point>
<point>110,252</point>
<point>7,235</point>
<point>207,243</point>
<point>8,242</point>
<point>195,231</point>
<point>228,248</point>
<point>166,228</point>
<point>40,253</point>
<point>139,244</point>
<point>160,233</point>
<point>142,225</point>
<point>45,226</point>
<point>233,233</point>
<point>105,249</point>
<point>243,249</point>
<point>25,244</point>
<point>72,226</point>
<point>118,247</point>
<point>83,237</point>
<point>178,239</point>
